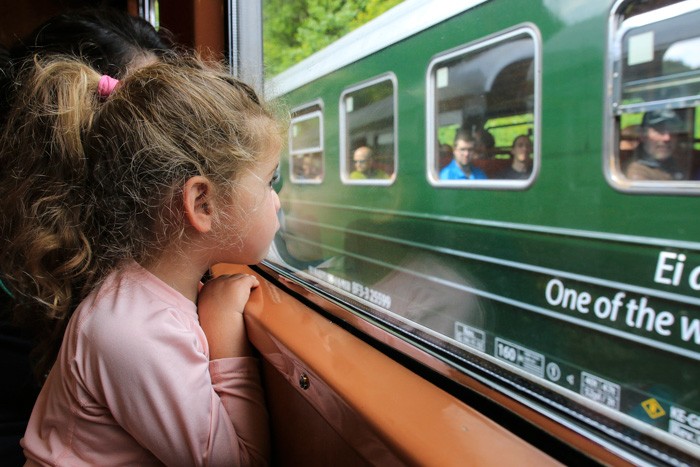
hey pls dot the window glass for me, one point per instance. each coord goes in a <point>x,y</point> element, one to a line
<point>657,93</point>
<point>306,146</point>
<point>483,113</point>
<point>586,318</point>
<point>368,132</point>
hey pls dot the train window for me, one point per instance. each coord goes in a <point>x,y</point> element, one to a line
<point>655,146</point>
<point>570,300</point>
<point>306,145</point>
<point>483,112</point>
<point>368,148</point>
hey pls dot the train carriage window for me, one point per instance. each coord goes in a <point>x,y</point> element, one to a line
<point>368,147</point>
<point>656,96</point>
<point>483,113</point>
<point>306,145</point>
<point>586,314</point>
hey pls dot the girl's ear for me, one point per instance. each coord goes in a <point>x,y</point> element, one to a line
<point>198,201</point>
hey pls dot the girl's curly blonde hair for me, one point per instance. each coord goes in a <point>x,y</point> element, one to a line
<point>118,165</point>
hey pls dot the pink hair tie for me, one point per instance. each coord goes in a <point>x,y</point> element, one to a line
<point>106,85</point>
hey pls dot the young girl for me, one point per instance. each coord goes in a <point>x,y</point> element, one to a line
<point>151,369</point>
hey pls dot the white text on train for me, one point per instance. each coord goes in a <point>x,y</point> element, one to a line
<point>669,270</point>
<point>633,312</point>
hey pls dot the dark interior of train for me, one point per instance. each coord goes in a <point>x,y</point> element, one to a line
<point>188,25</point>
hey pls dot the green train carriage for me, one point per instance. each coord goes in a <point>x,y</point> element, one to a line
<point>574,289</point>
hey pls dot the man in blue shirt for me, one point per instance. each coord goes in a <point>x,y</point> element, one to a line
<point>461,168</point>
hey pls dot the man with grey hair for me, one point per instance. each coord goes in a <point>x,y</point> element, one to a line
<point>654,158</point>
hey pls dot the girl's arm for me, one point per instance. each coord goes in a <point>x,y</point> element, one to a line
<point>160,386</point>
<point>220,307</point>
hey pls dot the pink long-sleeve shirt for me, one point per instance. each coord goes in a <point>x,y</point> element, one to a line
<point>133,385</point>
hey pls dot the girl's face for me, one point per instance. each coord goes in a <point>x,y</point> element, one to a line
<point>257,205</point>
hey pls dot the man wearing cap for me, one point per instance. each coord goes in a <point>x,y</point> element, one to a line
<point>654,157</point>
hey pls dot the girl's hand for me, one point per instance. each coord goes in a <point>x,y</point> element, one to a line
<point>220,307</point>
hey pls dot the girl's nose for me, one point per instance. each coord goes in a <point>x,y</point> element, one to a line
<point>276,200</point>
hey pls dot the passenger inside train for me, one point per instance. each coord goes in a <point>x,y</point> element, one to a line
<point>310,167</point>
<point>521,161</point>
<point>464,152</point>
<point>485,144</point>
<point>365,165</point>
<point>656,157</point>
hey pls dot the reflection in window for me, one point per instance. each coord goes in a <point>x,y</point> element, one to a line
<point>306,146</point>
<point>682,57</point>
<point>368,132</point>
<point>484,112</point>
<point>657,93</point>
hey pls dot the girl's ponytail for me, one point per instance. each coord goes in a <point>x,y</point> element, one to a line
<point>46,253</point>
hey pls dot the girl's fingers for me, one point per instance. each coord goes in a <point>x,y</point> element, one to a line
<point>256,283</point>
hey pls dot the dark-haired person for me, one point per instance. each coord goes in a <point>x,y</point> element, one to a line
<point>110,40</point>
<point>521,164</point>
<point>465,147</point>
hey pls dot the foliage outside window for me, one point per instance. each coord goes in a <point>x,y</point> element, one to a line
<point>295,29</point>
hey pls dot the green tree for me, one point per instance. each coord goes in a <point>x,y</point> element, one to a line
<point>295,29</point>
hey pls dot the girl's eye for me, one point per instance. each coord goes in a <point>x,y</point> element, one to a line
<point>275,177</point>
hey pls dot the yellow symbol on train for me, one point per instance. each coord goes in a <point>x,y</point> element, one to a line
<point>653,408</point>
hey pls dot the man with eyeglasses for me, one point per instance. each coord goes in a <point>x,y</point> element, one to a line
<point>363,161</point>
<point>461,167</point>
